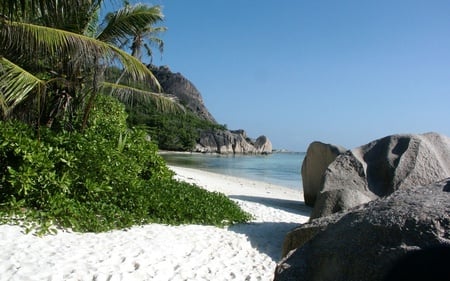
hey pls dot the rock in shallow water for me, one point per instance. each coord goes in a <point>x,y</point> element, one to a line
<point>232,142</point>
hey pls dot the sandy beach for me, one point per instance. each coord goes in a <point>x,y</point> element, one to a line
<point>161,252</point>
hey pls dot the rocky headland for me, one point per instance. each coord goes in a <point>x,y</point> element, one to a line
<point>230,142</point>
<point>210,141</point>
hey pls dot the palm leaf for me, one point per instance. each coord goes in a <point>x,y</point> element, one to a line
<point>16,84</point>
<point>129,94</point>
<point>72,15</point>
<point>91,27</point>
<point>129,21</point>
<point>154,41</point>
<point>10,9</point>
<point>28,39</point>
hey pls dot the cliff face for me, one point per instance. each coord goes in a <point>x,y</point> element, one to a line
<point>177,85</point>
<point>210,141</point>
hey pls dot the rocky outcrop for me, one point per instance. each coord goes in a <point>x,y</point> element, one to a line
<point>366,242</point>
<point>210,141</point>
<point>381,167</point>
<point>263,145</point>
<point>177,85</point>
<point>318,156</point>
<point>231,142</point>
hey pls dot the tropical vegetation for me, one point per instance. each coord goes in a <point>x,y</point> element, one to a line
<point>68,157</point>
<point>170,130</point>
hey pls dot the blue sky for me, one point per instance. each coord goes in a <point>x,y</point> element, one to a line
<point>344,72</point>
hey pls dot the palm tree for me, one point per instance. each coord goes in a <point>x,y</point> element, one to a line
<point>52,58</point>
<point>138,38</point>
<point>148,34</point>
<point>134,38</point>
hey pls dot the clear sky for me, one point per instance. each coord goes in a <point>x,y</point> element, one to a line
<point>344,72</point>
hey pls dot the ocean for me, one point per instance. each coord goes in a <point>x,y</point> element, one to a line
<point>280,168</point>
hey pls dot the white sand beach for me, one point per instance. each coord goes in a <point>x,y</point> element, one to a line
<point>161,252</point>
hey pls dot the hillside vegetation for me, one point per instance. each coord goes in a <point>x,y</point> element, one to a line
<point>175,131</point>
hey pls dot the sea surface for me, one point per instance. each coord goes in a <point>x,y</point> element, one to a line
<point>280,168</point>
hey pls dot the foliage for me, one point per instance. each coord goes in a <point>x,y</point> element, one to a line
<point>180,202</point>
<point>53,55</point>
<point>143,37</point>
<point>171,130</point>
<point>104,178</point>
<point>84,169</point>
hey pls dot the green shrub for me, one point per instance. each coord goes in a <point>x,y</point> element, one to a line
<point>106,177</point>
<point>180,202</point>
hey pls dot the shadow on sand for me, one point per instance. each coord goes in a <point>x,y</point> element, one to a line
<point>292,206</point>
<point>268,237</point>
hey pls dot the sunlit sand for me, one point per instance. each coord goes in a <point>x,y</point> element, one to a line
<point>161,252</point>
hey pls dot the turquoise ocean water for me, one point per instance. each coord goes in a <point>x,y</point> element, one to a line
<point>280,168</point>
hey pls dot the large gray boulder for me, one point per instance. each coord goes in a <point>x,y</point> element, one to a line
<point>381,167</point>
<point>318,156</point>
<point>364,243</point>
<point>263,145</point>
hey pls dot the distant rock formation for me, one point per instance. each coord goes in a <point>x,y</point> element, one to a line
<point>366,243</point>
<point>232,142</point>
<point>210,141</point>
<point>381,167</point>
<point>263,145</point>
<point>318,156</point>
<point>177,85</point>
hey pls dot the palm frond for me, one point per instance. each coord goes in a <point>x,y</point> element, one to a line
<point>129,95</point>
<point>91,27</point>
<point>16,84</point>
<point>157,42</point>
<point>28,39</point>
<point>72,16</point>
<point>12,9</point>
<point>129,21</point>
<point>136,68</point>
<point>158,29</point>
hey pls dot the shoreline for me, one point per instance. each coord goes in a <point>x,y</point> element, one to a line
<point>280,169</point>
<point>233,184</point>
<point>243,189</point>
<point>161,252</point>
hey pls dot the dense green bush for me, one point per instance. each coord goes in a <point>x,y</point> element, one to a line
<point>102,178</point>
